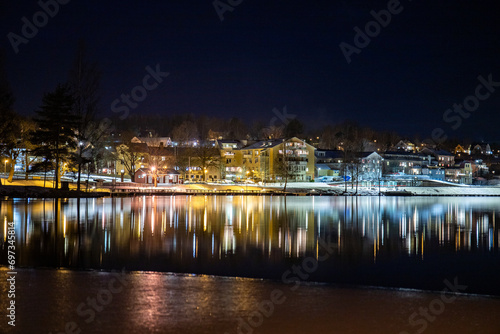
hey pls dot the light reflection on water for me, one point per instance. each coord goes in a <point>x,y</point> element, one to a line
<point>251,236</point>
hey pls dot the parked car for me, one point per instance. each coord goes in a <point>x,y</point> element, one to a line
<point>325,179</point>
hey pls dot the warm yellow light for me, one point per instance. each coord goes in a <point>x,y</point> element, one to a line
<point>64,226</point>
<point>5,229</point>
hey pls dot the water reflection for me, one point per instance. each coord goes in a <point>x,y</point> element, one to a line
<point>235,234</point>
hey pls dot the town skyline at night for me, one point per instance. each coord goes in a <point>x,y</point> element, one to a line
<point>244,167</point>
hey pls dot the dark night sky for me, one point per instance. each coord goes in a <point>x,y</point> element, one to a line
<point>268,54</point>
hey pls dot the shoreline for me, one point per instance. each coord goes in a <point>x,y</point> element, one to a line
<point>335,285</point>
<point>41,192</point>
<point>28,189</point>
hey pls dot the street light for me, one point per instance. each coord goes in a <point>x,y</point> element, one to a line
<point>5,166</point>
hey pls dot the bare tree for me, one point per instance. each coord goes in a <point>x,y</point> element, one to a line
<point>84,79</point>
<point>283,165</point>
<point>129,157</point>
<point>182,159</point>
<point>27,127</point>
<point>205,157</point>
<point>351,142</point>
<point>158,157</point>
<point>20,145</point>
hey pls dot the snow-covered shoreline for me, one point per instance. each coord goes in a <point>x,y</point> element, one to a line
<point>458,190</point>
<point>303,188</point>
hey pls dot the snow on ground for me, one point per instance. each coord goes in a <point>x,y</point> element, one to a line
<point>298,187</point>
<point>454,191</point>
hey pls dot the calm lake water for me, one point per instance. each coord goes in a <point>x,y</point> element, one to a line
<point>70,252</point>
<point>405,242</point>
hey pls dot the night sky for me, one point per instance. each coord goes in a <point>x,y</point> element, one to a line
<point>271,54</point>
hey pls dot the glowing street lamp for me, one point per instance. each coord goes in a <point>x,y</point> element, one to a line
<point>5,166</point>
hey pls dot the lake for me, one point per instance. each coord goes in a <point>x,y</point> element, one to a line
<point>252,264</point>
<point>402,242</point>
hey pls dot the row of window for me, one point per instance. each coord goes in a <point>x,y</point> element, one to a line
<point>295,144</point>
<point>256,160</point>
<point>298,168</point>
<point>192,176</point>
<point>250,152</point>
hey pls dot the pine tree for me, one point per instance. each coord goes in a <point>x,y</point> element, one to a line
<point>56,136</point>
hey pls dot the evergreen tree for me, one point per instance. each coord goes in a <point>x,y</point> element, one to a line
<point>56,135</point>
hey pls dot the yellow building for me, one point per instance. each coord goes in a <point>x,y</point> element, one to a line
<point>273,160</point>
<point>231,159</point>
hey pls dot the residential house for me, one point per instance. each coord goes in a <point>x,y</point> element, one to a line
<point>460,150</point>
<point>433,172</point>
<point>443,157</point>
<point>371,165</point>
<point>152,141</point>
<point>467,170</point>
<point>406,163</point>
<point>480,149</point>
<point>163,176</point>
<point>405,145</point>
<point>328,162</point>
